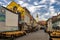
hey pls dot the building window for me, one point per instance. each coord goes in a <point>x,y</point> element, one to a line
<point>14,8</point>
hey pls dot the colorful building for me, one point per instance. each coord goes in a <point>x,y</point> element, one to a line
<point>16,7</point>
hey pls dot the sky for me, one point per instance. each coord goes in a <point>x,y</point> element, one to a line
<point>44,8</point>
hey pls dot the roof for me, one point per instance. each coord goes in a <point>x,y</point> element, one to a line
<point>9,10</point>
<point>26,9</point>
<point>42,22</point>
<point>54,18</point>
<point>12,2</point>
<point>48,19</point>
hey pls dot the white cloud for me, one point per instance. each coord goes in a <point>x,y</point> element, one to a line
<point>59,13</point>
<point>1,3</point>
<point>53,14</point>
<point>35,3</point>
<point>47,14</point>
<point>29,0</point>
<point>25,4</point>
<point>38,13</point>
<point>20,2</point>
<point>42,18</point>
<point>43,1</point>
<point>4,5</point>
<point>52,11</point>
<point>52,1</point>
<point>32,9</point>
<point>5,1</point>
<point>41,6</point>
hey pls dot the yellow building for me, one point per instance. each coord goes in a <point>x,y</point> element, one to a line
<point>16,7</point>
<point>23,12</point>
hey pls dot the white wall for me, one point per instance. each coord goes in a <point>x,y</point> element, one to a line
<point>11,19</point>
<point>49,25</point>
<point>27,18</point>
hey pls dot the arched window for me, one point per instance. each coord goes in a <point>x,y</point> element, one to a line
<point>14,8</point>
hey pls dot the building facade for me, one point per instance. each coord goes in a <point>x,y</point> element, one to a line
<point>8,20</point>
<point>53,22</point>
<point>49,25</point>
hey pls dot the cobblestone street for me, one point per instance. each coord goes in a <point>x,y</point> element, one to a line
<point>39,35</point>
